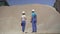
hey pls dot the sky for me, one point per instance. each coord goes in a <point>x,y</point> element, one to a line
<point>20,2</point>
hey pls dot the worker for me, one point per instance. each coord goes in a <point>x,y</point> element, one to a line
<point>34,21</point>
<point>23,21</point>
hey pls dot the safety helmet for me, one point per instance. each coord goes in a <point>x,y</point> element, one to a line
<point>23,11</point>
<point>33,10</point>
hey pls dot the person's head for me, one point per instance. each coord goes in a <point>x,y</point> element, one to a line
<point>33,10</point>
<point>23,13</point>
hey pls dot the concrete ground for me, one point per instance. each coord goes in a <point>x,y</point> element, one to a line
<point>48,19</point>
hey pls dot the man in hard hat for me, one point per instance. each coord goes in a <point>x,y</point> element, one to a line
<point>23,21</point>
<point>34,21</point>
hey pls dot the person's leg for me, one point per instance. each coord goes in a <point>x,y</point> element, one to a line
<point>35,28</point>
<point>32,27</point>
<point>23,27</point>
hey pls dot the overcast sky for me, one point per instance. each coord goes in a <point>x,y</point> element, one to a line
<point>19,2</point>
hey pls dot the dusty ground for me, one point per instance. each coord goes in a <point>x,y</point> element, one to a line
<point>48,19</point>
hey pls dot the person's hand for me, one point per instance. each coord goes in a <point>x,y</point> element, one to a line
<point>21,24</point>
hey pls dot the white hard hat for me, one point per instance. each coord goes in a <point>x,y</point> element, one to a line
<point>23,12</point>
<point>33,10</point>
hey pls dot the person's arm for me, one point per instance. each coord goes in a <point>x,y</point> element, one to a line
<point>25,18</point>
<point>36,18</point>
<point>31,20</point>
<point>21,21</point>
